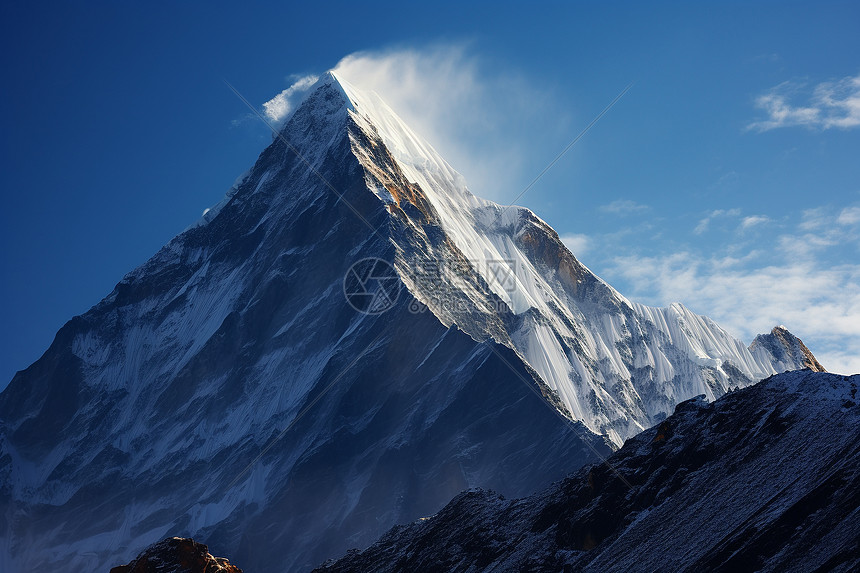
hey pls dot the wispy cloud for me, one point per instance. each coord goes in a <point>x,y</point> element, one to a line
<point>754,220</point>
<point>576,243</point>
<point>624,207</point>
<point>849,216</point>
<point>828,105</point>
<point>790,279</point>
<point>814,219</point>
<point>705,222</point>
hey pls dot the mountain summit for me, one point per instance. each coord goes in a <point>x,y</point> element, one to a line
<point>345,342</point>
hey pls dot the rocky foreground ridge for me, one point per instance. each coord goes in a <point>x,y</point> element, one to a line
<point>764,479</point>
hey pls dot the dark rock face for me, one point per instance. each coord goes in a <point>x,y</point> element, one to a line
<point>177,555</point>
<point>764,479</point>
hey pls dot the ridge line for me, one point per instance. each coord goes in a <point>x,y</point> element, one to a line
<point>319,175</point>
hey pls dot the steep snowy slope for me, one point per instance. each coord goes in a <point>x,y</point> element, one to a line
<point>756,481</point>
<point>503,273</point>
<point>229,390</point>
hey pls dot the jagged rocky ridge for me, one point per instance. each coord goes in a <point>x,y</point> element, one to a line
<point>226,390</point>
<point>764,479</point>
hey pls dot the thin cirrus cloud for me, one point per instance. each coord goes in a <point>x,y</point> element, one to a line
<point>802,284</point>
<point>705,222</point>
<point>849,216</point>
<point>753,221</point>
<point>488,122</point>
<point>833,104</point>
<point>624,207</point>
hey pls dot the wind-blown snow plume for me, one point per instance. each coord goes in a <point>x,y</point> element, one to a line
<point>491,124</point>
<point>279,107</point>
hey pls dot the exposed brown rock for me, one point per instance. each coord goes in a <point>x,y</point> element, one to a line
<point>789,340</point>
<point>177,555</point>
<point>788,349</point>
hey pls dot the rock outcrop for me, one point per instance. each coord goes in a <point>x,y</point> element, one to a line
<point>785,350</point>
<point>177,555</point>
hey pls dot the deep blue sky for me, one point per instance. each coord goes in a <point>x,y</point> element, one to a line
<point>118,131</point>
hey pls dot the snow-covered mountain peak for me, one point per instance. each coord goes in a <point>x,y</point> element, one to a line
<point>330,79</point>
<point>177,404</point>
<point>502,273</point>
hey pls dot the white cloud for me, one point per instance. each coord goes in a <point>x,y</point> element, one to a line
<point>706,221</point>
<point>814,219</point>
<point>781,114</point>
<point>754,220</point>
<point>849,216</point>
<point>798,286</point>
<point>842,98</point>
<point>278,108</point>
<point>840,361</point>
<point>831,104</point>
<point>819,304</point>
<point>624,207</point>
<point>576,243</point>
